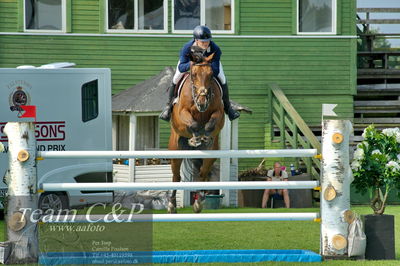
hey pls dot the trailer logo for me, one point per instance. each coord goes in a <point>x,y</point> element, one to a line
<point>19,96</point>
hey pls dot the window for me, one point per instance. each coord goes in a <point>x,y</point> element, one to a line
<point>216,14</point>
<point>45,15</point>
<point>136,16</point>
<point>316,16</point>
<point>90,101</point>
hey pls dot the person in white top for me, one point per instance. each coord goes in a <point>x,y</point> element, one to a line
<point>277,174</point>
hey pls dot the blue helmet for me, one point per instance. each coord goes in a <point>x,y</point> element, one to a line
<point>202,33</point>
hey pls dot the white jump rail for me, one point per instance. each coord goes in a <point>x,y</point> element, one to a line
<point>178,154</point>
<point>181,185</point>
<point>204,217</point>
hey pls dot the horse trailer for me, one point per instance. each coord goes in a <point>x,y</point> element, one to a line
<point>73,112</point>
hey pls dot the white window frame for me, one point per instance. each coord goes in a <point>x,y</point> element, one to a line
<point>334,21</point>
<point>136,14</point>
<point>203,19</point>
<point>63,19</point>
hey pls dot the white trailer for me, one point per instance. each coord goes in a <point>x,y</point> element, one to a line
<point>73,113</point>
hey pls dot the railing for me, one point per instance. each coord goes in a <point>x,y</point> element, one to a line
<point>370,54</point>
<point>294,131</point>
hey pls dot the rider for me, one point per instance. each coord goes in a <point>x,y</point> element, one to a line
<point>202,38</point>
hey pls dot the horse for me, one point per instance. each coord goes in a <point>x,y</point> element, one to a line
<point>196,121</point>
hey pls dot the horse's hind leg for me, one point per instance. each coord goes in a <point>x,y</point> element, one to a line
<point>198,201</point>
<point>172,203</point>
<point>176,177</point>
<point>206,168</point>
<point>204,172</point>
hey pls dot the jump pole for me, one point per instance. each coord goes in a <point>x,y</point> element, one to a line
<point>177,154</point>
<point>180,185</point>
<point>187,217</point>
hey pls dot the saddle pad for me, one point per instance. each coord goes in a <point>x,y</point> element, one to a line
<point>180,85</point>
<point>182,81</point>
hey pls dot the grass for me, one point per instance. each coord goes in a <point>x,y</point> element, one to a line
<point>254,235</point>
<point>234,235</point>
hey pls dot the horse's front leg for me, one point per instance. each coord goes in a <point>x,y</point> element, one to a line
<point>194,129</point>
<point>189,128</point>
<point>176,177</point>
<point>211,127</point>
<point>195,141</point>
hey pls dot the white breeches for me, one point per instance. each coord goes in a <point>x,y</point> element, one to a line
<point>178,75</point>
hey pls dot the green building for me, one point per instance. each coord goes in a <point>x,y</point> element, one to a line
<point>306,47</point>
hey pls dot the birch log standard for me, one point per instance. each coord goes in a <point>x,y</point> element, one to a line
<point>335,187</point>
<point>22,193</point>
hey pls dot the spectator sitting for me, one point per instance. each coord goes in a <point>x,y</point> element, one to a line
<point>277,174</point>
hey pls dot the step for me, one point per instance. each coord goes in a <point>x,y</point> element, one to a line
<point>380,126</point>
<point>378,120</point>
<point>377,108</point>
<point>377,73</point>
<point>376,111</point>
<point>389,104</point>
<point>383,87</point>
<point>372,53</point>
<point>378,90</point>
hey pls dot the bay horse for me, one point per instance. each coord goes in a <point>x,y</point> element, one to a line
<point>197,119</point>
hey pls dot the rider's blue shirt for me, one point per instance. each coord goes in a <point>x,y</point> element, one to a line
<point>184,64</point>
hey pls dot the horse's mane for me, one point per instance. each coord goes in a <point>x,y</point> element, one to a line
<point>196,54</point>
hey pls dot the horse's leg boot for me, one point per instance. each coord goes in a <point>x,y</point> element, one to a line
<point>172,205</point>
<point>232,113</point>
<point>166,113</point>
<point>198,203</point>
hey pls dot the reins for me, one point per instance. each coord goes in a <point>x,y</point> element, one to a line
<point>210,93</point>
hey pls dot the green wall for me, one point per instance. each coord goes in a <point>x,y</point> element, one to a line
<point>8,16</point>
<point>311,71</point>
<point>278,17</point>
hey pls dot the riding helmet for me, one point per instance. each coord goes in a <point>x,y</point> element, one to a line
<point>202,33</point>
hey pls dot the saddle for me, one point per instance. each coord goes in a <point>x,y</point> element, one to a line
<point>179,85</point>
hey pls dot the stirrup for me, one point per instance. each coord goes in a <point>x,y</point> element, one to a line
<point>233,114</point>
<point>166,113</point>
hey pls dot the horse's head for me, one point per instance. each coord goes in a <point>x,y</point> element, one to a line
<point>202,76</point>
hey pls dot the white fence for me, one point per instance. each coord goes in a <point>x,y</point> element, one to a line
<point>335,182</point>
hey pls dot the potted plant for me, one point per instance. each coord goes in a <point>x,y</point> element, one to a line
<point>376,170</point>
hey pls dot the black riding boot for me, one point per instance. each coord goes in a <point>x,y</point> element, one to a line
<point>232,113</point>
<point>166,113</point>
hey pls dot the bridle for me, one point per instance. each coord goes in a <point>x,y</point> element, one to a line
<point>195,97</point>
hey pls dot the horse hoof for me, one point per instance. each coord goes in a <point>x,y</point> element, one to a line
<point>171,208</point>
<point>197,206</point>
<point>208,141</point>
<point>194,142</point>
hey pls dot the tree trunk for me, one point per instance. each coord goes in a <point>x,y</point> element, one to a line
<point>335,187</point>
<point>22,193</point>
<point>377,204</point>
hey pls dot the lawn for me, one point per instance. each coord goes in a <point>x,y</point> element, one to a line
<point>256,235</point>
<point>253,235</point>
